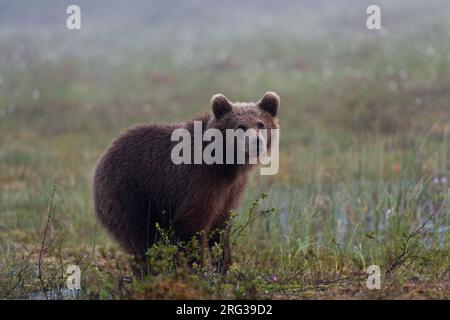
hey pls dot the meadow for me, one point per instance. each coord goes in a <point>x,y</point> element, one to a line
<point>364,162</point>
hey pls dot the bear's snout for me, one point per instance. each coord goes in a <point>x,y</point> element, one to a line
<point>256,146</point>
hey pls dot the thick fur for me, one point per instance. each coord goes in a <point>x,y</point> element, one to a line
<point>137,185</point>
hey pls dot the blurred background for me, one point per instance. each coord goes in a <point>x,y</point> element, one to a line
<point>364,116</point>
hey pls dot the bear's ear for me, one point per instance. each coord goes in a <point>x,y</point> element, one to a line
<point>220,105</point>
<point>270,102</point>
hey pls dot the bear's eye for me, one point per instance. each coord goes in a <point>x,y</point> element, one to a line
<point>260,125</point>
<point>241,126</point>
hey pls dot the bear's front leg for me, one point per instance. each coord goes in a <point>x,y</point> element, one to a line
<point>189,224</point>
<point>226,253</point>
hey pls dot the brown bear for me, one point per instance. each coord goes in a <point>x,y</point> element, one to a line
<point>136,184</point>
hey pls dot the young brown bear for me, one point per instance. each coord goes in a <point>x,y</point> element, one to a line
<point>136,184</point>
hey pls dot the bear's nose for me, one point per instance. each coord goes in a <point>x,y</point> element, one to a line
<point>259,147</point>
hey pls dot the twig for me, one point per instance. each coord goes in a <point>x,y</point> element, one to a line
<point>402,257</point>
<point>19,274</point>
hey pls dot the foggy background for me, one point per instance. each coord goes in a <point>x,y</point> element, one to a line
<point>109,26</point>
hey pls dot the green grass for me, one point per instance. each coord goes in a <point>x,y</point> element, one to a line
<point>363,177</point>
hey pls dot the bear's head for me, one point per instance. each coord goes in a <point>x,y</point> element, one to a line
<point>253,121</point>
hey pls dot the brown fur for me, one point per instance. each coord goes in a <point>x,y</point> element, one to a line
<point>137,185</point>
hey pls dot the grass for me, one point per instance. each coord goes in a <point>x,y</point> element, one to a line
<point>363,176</point>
